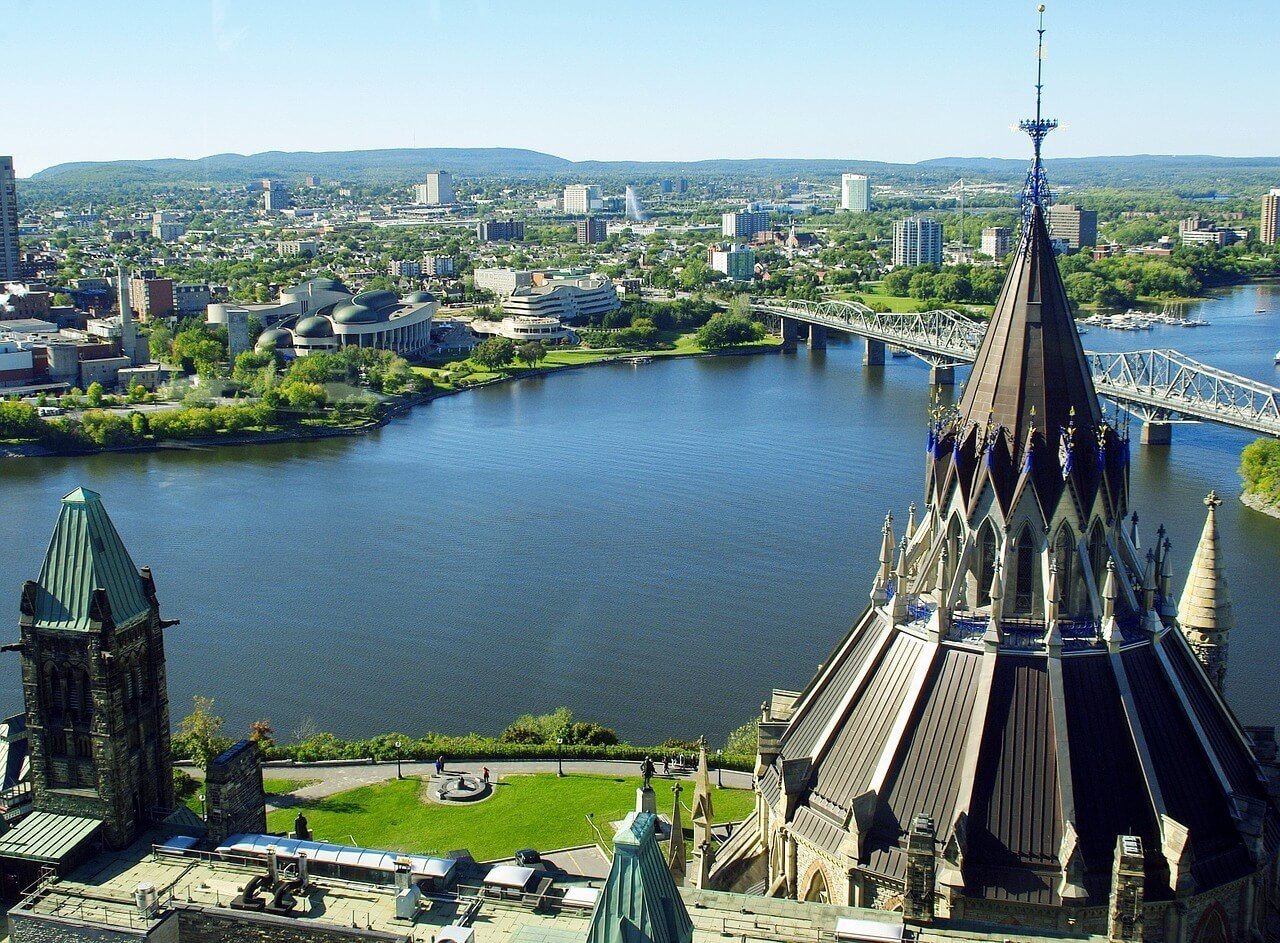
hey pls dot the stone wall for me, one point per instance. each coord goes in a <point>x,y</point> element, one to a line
<point>236,800</point>
<point>24,928</point>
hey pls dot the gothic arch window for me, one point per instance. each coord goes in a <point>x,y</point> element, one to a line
<point>816,887</point>
<point>128,685</point>
<point>52,690</point>
<point>1212,927</point>
<point>1097,554</point>
<point>955,530</point>
<point>1064,555</point>
<point>1025,573</point>
<point>987,550</point>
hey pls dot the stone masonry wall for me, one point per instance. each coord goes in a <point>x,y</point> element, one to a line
<point>237,802</point>
<point>215,925</point>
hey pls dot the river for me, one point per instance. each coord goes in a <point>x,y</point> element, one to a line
<point>655,547</point>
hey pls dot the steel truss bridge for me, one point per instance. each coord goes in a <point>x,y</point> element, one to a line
<point>1158,386</point>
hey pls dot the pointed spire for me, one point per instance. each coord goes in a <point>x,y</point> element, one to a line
<point>995,634</point>
<point>1168,608</point>
<point>1110,627</point>
<point>1204,612</point>
<point>1051,595</point>
<point>911,522</point>
<point>85,556</point>
<point>884,574</point>
<point>676,853</point>
<point>1133,532</point>
<point>898,609</point>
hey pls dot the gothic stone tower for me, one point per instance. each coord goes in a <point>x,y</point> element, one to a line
<point>93,678</point>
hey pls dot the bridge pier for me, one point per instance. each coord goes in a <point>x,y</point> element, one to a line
<point>1155,432</point>
<point>790,331</point>
<point>874,354</point>
<point>817,337</point>
<point>942,376</point>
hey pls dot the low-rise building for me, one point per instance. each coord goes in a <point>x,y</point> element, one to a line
<point>370,319</point>
<point>404,268</point>
<point>438,266</point>
<point>288,247</point>
<point>564,298</point>
<point>17,366</point>
<point>525,328</point>
<point>502,281</point>
<point>191,299</point>
<point>151,297</point>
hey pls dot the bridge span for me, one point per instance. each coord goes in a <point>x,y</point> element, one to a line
<point>1161,387</point>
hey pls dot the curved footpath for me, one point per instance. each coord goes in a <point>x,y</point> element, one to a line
<point>333,778</point>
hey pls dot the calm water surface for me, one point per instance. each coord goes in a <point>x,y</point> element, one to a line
<point>655,547</point>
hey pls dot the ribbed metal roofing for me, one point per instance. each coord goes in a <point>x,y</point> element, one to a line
<point>47,837</point>
<point>640,901</point>
<point>86,553</point>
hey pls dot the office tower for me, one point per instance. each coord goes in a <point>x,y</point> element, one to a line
<point>917,240</point>
<point>8,222</point>
<point>1076,227</point>
<point>437,191</point>
<point>582,198</point>
<point>855,193</point>
<point>1268,232</point>
<point>996,241</point>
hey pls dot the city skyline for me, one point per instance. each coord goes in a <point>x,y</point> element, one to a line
<point>836,105</point>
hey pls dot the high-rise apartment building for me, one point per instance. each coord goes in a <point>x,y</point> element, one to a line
<point>592,230</point>
<point>738,262</point>
<point>500,230</point>
<point>1074,226</point>
<point>437,191</point>
<point>1268,231</point>
<point>8,222</point>
<point>743,224</point>
<point>275,199</point>
<point>855,193</point>
<point>582,198</point>
<point>917,240</point>
<point>996,241</point>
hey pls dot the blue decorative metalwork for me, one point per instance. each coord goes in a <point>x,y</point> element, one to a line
<point>919,610</point>
<point>1036,190</point>
<point>969,628</point>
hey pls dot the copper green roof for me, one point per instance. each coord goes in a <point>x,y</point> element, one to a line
<point>640,902</point>
<point>85,553</point>
<point>47,837</point>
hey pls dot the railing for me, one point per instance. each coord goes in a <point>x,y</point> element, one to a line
<point>1154,384</point>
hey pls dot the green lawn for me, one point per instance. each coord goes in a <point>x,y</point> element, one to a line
<point>539,811</point>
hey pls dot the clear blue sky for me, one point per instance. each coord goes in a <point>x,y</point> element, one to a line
<point>896,80</point>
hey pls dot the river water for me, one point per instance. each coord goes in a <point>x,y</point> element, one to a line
<point>655,547</point>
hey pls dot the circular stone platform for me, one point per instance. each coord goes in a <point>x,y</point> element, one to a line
<point>455,789</point>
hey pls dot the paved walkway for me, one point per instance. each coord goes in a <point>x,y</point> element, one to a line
<point>334,779</point>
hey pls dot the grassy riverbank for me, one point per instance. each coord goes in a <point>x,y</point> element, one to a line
<point>464,372</point>
<point>541,811</point>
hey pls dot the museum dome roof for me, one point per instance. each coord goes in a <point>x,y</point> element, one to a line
<point>274,338</point>
<point>352,313</point>
<point>314,326</point>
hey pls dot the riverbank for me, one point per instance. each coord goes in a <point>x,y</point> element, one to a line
<point>574,360</point>
<point>1257,503</point>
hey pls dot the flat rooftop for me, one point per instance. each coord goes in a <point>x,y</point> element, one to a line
<point>100,894</point>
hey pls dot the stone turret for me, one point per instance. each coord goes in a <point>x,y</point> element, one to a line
<point>1204,612</point>
<point>1124,922</point>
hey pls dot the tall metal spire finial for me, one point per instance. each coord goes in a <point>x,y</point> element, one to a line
<point>1036,191</point>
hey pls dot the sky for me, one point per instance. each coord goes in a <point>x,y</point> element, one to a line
<point>893,80</point>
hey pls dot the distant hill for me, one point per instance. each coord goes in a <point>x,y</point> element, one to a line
<point>391,165</point>
<point>401,166</point>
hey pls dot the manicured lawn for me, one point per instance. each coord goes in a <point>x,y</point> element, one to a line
<point>540,811</point>
<point>280,787</point>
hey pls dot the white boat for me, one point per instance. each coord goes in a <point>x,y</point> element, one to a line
<point>1278,356</point>
<point>1195,322</point>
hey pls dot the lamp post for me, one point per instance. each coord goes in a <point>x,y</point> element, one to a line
<point>204,812</point>
<point>559,757</point>
<point>719,764</point>
<point>399,775</point>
